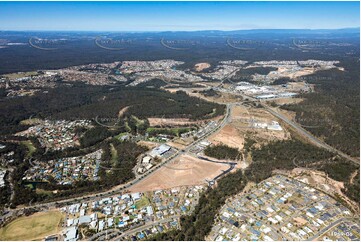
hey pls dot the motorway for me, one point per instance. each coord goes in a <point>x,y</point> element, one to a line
<point>301,131</point>
<point>309,136</point>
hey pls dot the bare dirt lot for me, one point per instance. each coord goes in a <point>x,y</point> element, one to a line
<point>305,71</point>
<point>122,111</point>
<point>186,170</point>
<point>201,66</point>
<point>240,127</point>
<point>282,101</point>
<point>148,144</point>
<point>170,122</point>
<point>180,143</point>
<point>176,122</point>
<point>230,136</point>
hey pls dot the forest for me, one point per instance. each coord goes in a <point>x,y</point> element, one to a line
<point>332,112</point>
<point>222,152</point>
<point>90,102</point>
<point>80,48</point>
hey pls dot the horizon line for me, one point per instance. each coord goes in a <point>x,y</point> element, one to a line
<point>159,31</point>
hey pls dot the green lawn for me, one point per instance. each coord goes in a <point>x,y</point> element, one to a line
<point>120,135</point>
<point>114,154</point>
<point>142,202</point>
<point>30,146</point>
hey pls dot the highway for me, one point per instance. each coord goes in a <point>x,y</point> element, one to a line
<point>314,140</point>
<point>124,187</point>
<point>309,136</point>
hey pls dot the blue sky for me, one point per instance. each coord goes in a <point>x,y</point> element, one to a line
<point>160,16</point>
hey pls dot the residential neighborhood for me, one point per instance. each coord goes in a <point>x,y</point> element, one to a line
<point>56,135</point>
<point>66,171</point>
<point>129,211</point>
<point>280,208</point>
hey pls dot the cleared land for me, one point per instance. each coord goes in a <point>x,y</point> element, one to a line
<point>176,122</point>
<point>282,101</point>
<point>180,143</point>
<point>240,127</point>
<point>122,111</point>
<point>21,74</point>
<point>148,144</point>
<point>228,135</point>
<point>31,121</point>
<point>201,66</point>
<point>33,227</point>
<point>184,171</point>
<point>170,121</point>
<point>241,119</point>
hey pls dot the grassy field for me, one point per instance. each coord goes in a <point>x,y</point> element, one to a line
<point>114,153</point>
<point>142,202</point>
<point>30,146</point>
<point>33,227</point>
<point>119,136</point>
<point>31,121</point>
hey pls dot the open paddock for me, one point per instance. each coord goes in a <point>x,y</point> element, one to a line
<point>33,227</point>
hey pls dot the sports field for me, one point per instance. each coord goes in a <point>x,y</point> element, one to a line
<point>33,227</point>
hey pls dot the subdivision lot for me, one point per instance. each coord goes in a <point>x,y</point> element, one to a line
<point>186,170</point>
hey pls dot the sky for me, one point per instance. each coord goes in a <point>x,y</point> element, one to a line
<point>177,16</point>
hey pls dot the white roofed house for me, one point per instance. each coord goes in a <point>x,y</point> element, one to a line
<point>149,210</point>
<point>146,159</point>
<point>71,234</point>
<point>110,222</point>
<point>136,196</point>
<point>101,225</point>
<point>85,220</point>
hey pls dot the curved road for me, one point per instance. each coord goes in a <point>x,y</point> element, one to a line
<point>124,187</point>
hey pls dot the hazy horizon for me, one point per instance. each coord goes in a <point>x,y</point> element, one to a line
<point>161,31</point>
